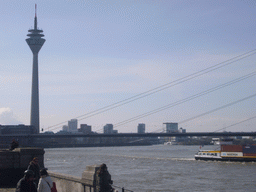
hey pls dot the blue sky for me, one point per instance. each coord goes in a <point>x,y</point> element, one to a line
<point>101,52</point>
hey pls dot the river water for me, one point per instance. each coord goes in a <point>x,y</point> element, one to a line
<point>156,168</point>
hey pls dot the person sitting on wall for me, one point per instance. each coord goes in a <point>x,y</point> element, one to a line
<point>26,184</point>
<point>45,182</point>
<point>104,181</point>
<point>34,166</point>
<point>14,144</point>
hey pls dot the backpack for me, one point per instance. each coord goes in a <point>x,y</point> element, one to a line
<point>53,189</point>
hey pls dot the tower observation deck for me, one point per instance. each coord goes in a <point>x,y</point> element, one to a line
<point>35,42</point>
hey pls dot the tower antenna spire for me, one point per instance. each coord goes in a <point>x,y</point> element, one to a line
<point>35,10</point>
<point>35,21</point>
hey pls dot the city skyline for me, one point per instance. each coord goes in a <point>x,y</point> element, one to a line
<point>100,53</point>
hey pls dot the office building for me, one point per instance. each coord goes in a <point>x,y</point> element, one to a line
<point>64,128</point>
<point>141,128</point>
<point>171,127</point>
<point>17,129</point>
<point>86,129</point>
<point>72,125</point>
<point>108,129</point>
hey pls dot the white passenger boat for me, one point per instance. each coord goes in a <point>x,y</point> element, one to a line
<point>208,155</point>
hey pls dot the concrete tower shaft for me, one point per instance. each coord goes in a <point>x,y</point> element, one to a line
<point>35,42</point>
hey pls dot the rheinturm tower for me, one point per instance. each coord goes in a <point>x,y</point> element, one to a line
<point>35,42</point>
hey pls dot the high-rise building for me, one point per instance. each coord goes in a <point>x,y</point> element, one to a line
<point>86,129</point>
<point>108,129</point>
<point>171,127</point>
<point>141,128</point>
<point>72,125</point>
<point>35,42</point>
<point>65,128</point>
<point>181,130</point>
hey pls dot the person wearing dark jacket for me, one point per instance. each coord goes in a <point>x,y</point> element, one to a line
<point>104,179</point>
<point>34,166</point>
<point>14,144</point>
<point>26,184</point>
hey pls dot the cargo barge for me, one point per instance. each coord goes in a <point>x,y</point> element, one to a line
<point>240,153</point>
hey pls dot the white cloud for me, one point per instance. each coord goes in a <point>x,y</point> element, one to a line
<point>7,117</point>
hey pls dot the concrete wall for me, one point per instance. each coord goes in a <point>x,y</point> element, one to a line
<point>20,157</point>
<point>14,163</point>
<point>67,183</point>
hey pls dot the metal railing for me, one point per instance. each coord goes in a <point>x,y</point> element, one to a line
<point>88,185</point>
<point>92,188</point>
<point>121,188</point>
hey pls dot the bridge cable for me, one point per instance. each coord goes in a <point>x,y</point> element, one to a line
<point>186,99</point>
<point>236,123</point>
<point>163,87</point>
<point>222,107</point>
<point>189,98</point>
<point>192,118</point>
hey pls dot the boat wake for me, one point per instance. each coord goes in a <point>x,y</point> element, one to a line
<point>156,158</point>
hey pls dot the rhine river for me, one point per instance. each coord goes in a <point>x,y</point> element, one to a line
<point>156,168</point>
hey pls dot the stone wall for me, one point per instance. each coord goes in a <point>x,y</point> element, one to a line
<point>67,183</point>
<point>14,163</point>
